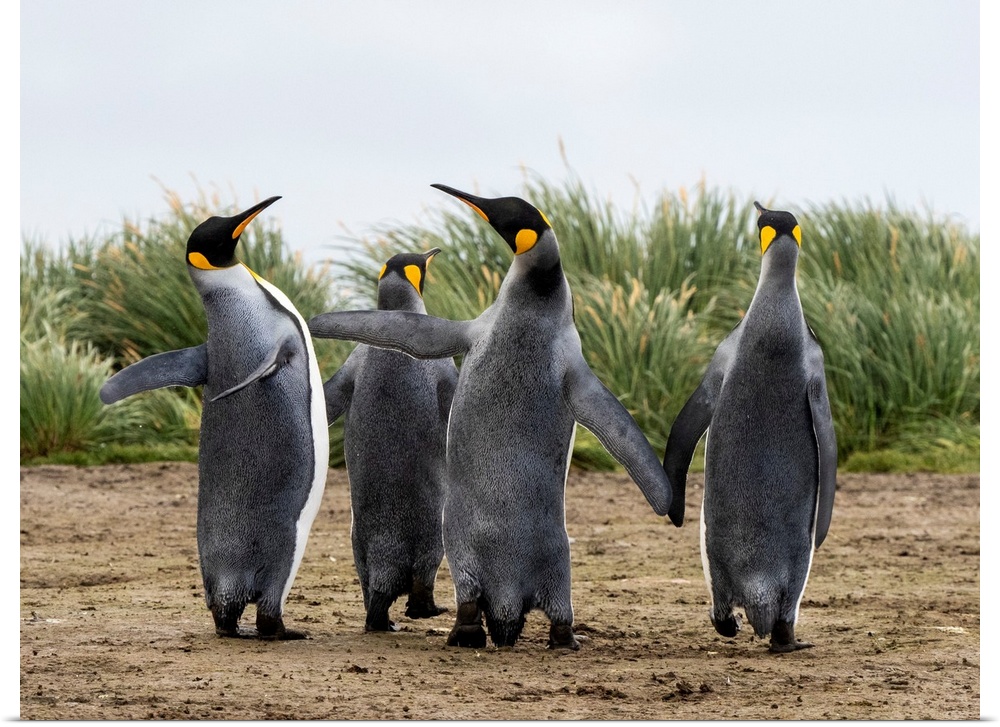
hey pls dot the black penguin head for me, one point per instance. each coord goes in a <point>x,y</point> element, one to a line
<point>772,224</point>
<point>408,266</point>
<point>519,223</point>
<point>212,245</point>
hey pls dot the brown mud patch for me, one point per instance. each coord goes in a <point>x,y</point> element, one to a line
<point>114,624</point>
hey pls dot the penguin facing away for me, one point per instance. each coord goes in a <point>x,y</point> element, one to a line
<point>395,412</point>
<point>522,388</point>
<point>264,449</point>
<point>771,452</point>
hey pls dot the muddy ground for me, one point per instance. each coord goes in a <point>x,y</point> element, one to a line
<point>114,624</point>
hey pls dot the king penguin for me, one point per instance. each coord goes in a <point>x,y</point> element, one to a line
<point>770,455</point>
<point>264,447</point>
<point>395,412</point>
<point>522,387</point>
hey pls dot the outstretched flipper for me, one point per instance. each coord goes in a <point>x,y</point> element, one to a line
<point>597,409</point>
<point>415,334</point>
<point>826,443</point>
<point>691,424</point>
<point>279,356</point>
<point>339,389</point>
<point>184,367</point>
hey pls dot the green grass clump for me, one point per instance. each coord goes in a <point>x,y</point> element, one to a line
<point>892,296</point>
<point>100,305</point>
<point>119,454</point>
<point>895,302</point>
<point>647,350</point>
<point>62,412</point>
<point>931,445</point>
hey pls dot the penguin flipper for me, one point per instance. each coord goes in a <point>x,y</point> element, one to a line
<point>184,367</point>
<point>826,445</point>
<point>339,389</point>
<point>685,433</point>
<point>279,356</point>
<point>597,409</point>
<point>693,421</point>
<point>415,334</point>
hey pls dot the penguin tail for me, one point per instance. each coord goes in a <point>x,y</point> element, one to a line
<point>505,624</point>
<point>762,610</point>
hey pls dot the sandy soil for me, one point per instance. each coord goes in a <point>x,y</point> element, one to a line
<point>114,624</point>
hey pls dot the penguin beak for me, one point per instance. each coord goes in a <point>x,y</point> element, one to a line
<point>761,209</point>
<point>246,217</point>
<point>431,253</point>
<point>472,200</point>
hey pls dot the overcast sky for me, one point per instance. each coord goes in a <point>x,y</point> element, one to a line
<point>350,110</point>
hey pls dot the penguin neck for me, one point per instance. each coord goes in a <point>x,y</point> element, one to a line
<point>222,284</point>
<point>777,270</point>
<point>539,271</point>
<point>391,299</point>
<point>775,303</point>
<point>536,279</point>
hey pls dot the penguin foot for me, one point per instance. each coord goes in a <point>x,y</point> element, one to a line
<point>561,636</point>
<point>468,630</point>
<point>236,633</point>
<point>421,604</point>
<point>471,637</point>
<point>381,626</point>
<point>783,639</point>
<point>285,635</point>
<point>728,627</point>
<point>272,628</point>
<point>776,648</point>
<point>424,610</point>
<point>227,621</point>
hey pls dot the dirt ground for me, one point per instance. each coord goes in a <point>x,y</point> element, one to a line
<point>114,624</point>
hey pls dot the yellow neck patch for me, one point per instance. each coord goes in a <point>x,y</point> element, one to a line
<point>768,233</point>
<point>381,273</point>
<point>524,241</point>
<point>413,275</point>
<point>545,218</point>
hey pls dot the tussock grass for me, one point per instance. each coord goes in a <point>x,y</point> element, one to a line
<point>647,350</point>
<point>62,412</point>
<point>100,305</point>
<point>892,295</point>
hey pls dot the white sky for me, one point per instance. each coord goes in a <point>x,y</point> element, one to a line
<point>350,110</point>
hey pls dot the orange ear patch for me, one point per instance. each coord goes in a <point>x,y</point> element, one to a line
<point>524,241</point>
<point>201,262</point>
<point>413,275</point>
<point>767,235</point>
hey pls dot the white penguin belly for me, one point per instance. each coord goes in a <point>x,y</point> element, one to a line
<point>321,444</point>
